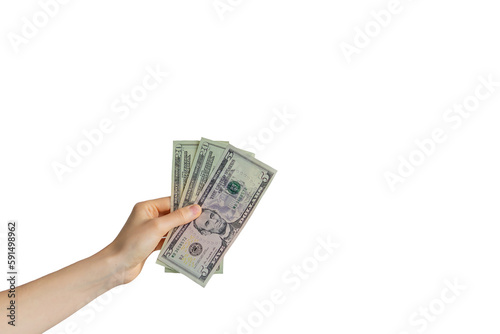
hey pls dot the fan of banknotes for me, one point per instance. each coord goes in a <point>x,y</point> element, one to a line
<point>227,183</point>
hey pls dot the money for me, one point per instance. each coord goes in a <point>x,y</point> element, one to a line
<point>183,155</point>
<point>206,159</point>
<point>181,167</point>
<point>186,154</point>
<point>207,156</point>
<point>229,197</point>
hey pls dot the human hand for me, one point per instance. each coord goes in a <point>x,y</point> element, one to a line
<point>69,289</point>
<point>142,235</point>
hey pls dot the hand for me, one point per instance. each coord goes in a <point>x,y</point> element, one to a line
<point>69,289</point>
<point>142,235</point>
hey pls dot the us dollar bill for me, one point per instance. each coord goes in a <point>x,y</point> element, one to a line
<point>184,153</point>
<point>208,155</point>
<point>228,199</point>
<point>206,159</point>
<point>182,158</point>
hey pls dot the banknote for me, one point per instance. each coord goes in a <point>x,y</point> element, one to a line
<point>183,155</point>
<point>207,156</point>
<point>206,159</point>
<point>184,152</point>
<point>228,199</point>
<point>208,153</point>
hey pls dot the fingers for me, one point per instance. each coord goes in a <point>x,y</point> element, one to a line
<point>155,207</point>
<point>178,217</point>
<point>161,204</point>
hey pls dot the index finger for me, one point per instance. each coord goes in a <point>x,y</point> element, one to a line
<point>158,207</point>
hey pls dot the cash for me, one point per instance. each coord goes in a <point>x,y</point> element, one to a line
<point>183,155</point>
<point>207,155</point>
<point>184,152</point>
<point>182,158</point>
<point>190,171</point>
<point>229,195</point>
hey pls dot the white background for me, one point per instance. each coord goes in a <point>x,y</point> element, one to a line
<point>226,76</point>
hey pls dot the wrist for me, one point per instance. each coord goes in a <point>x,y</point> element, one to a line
<point>114,272</point>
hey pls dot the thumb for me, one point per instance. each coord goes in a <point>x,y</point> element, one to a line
<point>178,217</point>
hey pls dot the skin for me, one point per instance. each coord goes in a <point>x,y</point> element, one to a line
<point>71,288</point>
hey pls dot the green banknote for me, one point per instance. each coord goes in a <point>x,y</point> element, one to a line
<point>229,197</point>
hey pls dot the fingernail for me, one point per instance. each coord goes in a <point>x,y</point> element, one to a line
<point>195,210</point>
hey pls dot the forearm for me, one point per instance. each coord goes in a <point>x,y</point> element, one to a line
<point>49,300</point>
